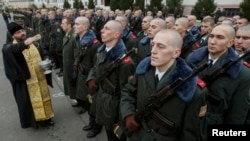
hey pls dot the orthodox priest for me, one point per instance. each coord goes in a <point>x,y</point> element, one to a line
<point>27,78</point>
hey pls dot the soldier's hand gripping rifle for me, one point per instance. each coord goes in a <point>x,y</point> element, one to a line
<point>104,76</point>
<point>156,101</point>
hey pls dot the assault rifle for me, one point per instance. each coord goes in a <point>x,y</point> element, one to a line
<point>156,101</point>
<point>104,76</point>
<point>186,48</point>
<point>209,78</point>
<point>82,53</point>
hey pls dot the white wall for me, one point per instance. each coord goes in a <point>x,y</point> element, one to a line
<point>218,2</point>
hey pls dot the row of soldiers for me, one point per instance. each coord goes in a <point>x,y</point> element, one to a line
<point>122,86</point>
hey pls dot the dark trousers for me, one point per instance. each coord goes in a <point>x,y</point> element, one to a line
<point>96,127</point>
<point>54,59</point>
<point>60,62</point>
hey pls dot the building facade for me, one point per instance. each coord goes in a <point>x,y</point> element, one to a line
<point>227,5</point>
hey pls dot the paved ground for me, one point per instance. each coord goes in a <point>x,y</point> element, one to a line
<point>68,125</point>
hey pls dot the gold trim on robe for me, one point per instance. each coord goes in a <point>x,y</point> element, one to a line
<point>37,85</point>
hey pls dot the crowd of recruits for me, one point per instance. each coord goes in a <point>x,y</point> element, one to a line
<point>219,42</point>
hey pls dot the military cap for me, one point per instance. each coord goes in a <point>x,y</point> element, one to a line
<point>19,18</point>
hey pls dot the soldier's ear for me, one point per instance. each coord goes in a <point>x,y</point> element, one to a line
<point>177,53</point>
<point>117,35</point>
<point>230,43</point>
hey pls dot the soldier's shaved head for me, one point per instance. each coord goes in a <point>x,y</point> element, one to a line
<point>173,38</point>
<point>123,20</point>
<point>229,29</point>
<point>183,21</point>
<point>160,22</point>
<point>83,20</point>
<point>148,18</point>
<point>116,25</point>
<point>244,28</point>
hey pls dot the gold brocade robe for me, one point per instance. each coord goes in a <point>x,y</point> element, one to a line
<point>37,85</point>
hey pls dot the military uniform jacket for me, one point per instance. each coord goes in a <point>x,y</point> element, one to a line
<point>86,51</point>
<point>85,60</point>
<point>182,108</point>
<point>136,24</point>
<point>129,39</point>
<point>188,45</point>
<point>228,95</point>
<point>107,99</point>
<point>69,55</point>
<point>55,37</point>
<point>144,49</point>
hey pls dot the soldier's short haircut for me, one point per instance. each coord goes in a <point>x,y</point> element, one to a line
<point>53,12</point>
<point>183,21</point>
<point>122,18</point>
<point>221,18</point>
<point>84,20</point>
<point>228,28</point>
<point>209,20</point>
<point>148,18</point>
<point>245,20</point>
<point>173,37</point>
<point>193,17</point>
<point>171,19</point>
<point>228,22</point>
<point>117,26</point>
<point>244,28</point>
<point>161,22</point>
<point>69,21</point>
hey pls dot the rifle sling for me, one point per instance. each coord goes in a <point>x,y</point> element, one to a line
<point>161,120</point>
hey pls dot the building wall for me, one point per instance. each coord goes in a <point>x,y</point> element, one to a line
<point>188,4</point>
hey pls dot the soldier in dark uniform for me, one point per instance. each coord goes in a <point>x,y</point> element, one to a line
<point>228,94</point>
<point>181,109</point>
<point>191,25</point>
<point>99,23</point>
<point>242,44</point>
<point>106,17</point>
<point>107,96</point>
<point>144,46</point>
<point>69,56</point>
<point>181,25</point>
<point>145,25</point>
<point>92,19</point>
<point>55,40</point>
<point>44,30</point>
<point>127,36</point>
<point>170,20</point>
<point>135,24</point>
<point>207,26</point>
<point>87,45</point>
